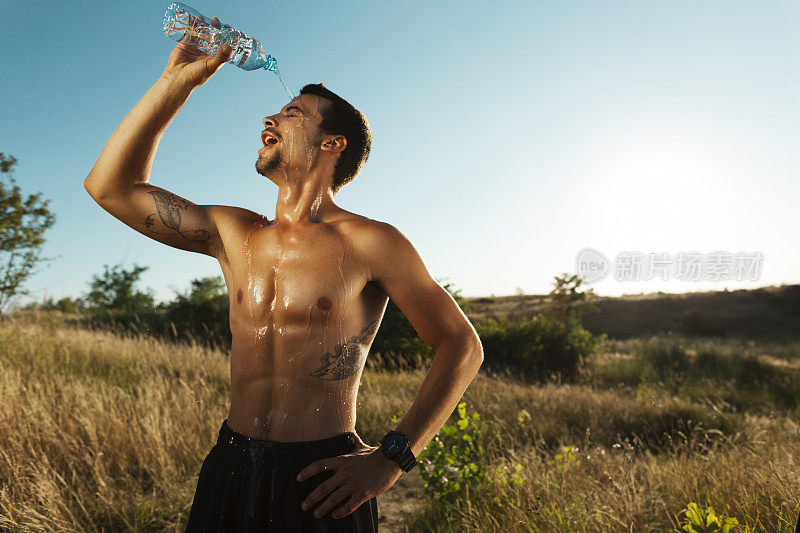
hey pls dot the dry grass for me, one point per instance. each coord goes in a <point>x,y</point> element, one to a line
<point>99,432</point>
<point>641,452</point>
<point>613,489</point>
<point>103,433</point>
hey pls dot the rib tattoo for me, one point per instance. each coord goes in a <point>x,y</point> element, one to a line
<point>169,211</point>
<point>346,359</point>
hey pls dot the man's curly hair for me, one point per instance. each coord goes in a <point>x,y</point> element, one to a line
<point>341,118</point>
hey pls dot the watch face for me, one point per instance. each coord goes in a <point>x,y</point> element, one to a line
<point>395,444</point>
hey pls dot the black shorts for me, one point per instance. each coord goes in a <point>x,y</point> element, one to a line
<point>248,484</point>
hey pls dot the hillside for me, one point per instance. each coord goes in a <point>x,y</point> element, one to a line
<point>772,311</point>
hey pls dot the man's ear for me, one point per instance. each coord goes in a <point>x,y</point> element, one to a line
<point>334,143</point>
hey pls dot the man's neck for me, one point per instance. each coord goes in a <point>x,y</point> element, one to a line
<point>304,202</point>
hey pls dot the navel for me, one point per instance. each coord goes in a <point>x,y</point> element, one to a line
<point>324,303</point>
<point>239,296</point>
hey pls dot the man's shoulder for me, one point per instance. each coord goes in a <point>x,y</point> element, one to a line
<point>383,248</point>
<point>230,214</point>
<point>365,231</point>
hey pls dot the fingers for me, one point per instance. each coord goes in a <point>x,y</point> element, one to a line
<point>222,56</point>
<point>322,490</point>
<point>351,505</point>
<point>191,49</point>
<point>224,52</point>
<point>333,500</point>
<point>313,468</point>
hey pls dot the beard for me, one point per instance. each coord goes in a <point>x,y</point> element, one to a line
<point>269,163</point>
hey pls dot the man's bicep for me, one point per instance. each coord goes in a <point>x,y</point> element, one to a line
<point>166,217</point>
<point>405,278</point>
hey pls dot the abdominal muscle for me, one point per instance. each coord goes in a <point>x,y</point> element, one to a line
<point>303,314</point>
<point>275,396</point>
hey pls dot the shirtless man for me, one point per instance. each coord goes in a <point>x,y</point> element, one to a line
<point>307,294</point>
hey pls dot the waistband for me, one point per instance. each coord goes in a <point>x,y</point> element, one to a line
<point>297,450</point>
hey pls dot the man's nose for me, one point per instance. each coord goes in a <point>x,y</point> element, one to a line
<point>269,121</point>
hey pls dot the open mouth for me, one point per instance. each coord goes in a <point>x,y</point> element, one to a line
<point>268,139</point>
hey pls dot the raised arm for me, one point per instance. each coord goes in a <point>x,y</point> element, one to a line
<point>119,180</point>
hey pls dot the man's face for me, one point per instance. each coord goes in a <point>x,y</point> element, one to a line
<point>291,137</point>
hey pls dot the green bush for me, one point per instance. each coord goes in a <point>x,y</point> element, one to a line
<point>201,312</point>
<point>455,466</point>
<point>539,346</point>
<point>453,461</point>
<point>199,315</point>
<point>704,520</point>
<point>551,342</point>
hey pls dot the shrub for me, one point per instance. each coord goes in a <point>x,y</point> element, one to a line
<point>704,520</point>
<point>452,462</point>
<point>539,346</point>
<point>551,342</point>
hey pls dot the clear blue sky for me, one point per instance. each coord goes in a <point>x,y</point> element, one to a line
<point>507,136</point>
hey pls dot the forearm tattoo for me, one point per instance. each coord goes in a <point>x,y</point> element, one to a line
<point>169,211</point>
<point>346,359</point>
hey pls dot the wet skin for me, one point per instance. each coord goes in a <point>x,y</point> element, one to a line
<point>308,288</point>
<point>306,310</point>
<point>303,317</point>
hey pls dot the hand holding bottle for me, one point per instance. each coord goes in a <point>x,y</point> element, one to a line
<point>186,25</point>
<point>191,67</point>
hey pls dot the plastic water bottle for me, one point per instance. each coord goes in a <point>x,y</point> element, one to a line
<point>185,25</point>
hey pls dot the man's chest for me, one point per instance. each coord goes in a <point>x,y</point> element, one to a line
<point>301,276</point>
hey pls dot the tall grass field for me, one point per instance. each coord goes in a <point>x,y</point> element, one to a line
<point>104,432</point>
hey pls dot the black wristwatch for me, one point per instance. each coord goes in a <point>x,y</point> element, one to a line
<point>395,446</point>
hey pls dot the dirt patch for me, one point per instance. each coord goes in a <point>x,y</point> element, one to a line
<point>397,503</point>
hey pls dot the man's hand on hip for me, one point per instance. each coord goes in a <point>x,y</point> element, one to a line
<point>361,475</point>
